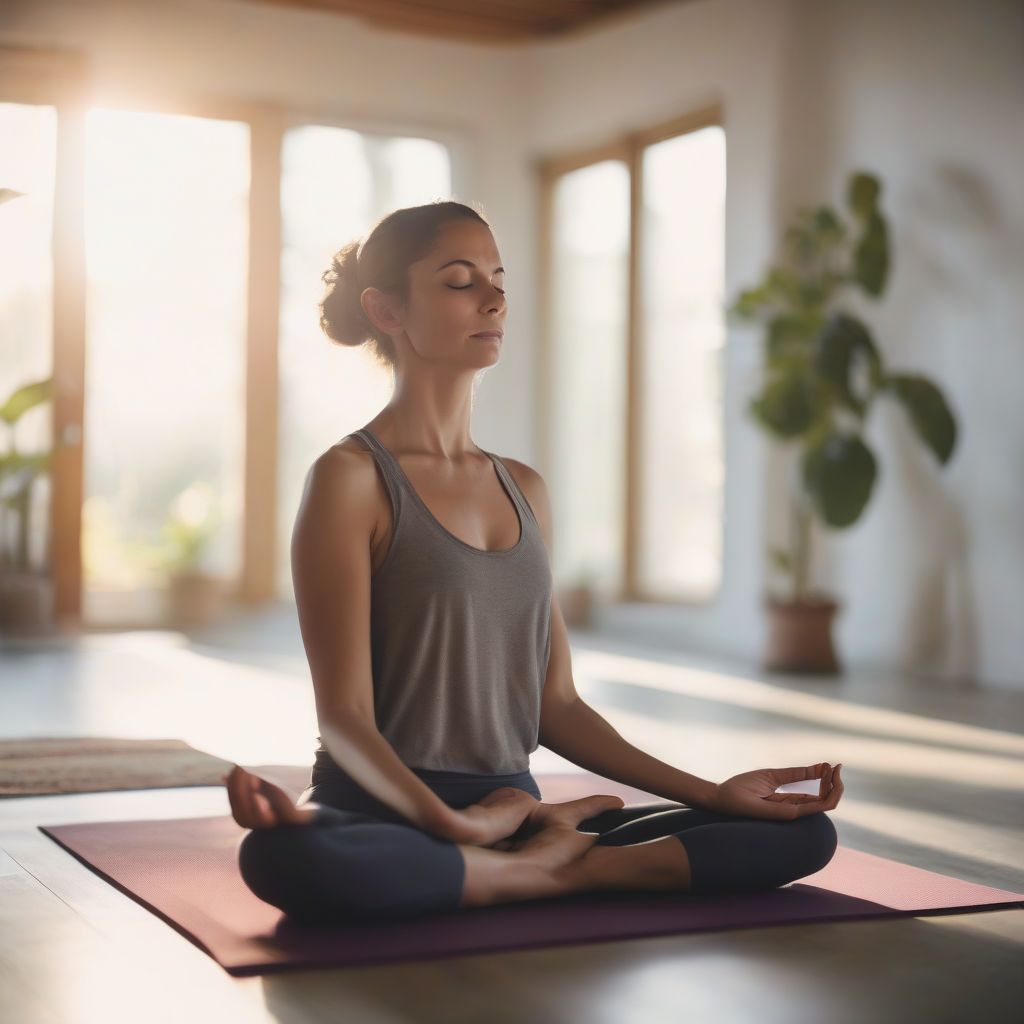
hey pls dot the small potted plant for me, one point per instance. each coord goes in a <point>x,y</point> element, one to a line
<point>823,372</point>
<point>577,599</point>
<point>26,594</point>
<point>194,596</point>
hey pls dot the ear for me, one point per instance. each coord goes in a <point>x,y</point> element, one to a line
<point>381,310</point>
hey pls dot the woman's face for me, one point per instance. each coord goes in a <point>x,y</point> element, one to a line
<point>456,291</point>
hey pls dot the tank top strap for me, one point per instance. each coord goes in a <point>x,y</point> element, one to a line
<point>394,479</point>
<point>510,483</point>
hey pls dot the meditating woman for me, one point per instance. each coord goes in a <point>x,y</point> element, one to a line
<point>440,659</point>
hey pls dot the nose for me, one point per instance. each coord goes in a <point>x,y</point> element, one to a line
<point>495,301</point>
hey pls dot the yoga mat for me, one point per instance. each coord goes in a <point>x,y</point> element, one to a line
<point>185,871</point>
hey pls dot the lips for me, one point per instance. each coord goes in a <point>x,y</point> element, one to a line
<point>488,334</point>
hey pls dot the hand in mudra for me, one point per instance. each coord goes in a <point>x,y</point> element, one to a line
<point>541,816</point>
<point>752,794</point>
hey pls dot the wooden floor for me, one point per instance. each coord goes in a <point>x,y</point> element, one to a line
<point>933,773</point>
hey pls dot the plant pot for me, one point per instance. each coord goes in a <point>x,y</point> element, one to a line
<point>577,605</point>
<point>194,599</point>
<point>26,603</point>
<point>800,635</point>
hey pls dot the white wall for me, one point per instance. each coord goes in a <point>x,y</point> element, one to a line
<point>926,92</point>
<point>929,94</point>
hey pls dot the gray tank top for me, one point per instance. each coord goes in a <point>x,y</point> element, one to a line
<point>460,637</point>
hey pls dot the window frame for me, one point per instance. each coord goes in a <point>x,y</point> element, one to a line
<point>627,148</point>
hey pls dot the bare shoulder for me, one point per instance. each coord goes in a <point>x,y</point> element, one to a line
<point>343,479</point>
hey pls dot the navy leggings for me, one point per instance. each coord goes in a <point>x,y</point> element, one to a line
<point>360,860</point>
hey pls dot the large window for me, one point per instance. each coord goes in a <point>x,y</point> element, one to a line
<point>335,184</point>
<point>165,267</point>
<point>167,259</point>
<point>589,278</point>
<point>634,293</point>
<point>26,303</point>
<point>681,294</point>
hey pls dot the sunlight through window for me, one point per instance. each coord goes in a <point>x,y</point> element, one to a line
<point>166,252</point>
<point>27,164</point>
<point>589,306</point>
<point>682,281</point>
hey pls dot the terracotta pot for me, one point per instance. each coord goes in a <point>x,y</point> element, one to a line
<point>26,603</point>
<point>194,599</point>
<point>800,635</point>
<point>577,605</point>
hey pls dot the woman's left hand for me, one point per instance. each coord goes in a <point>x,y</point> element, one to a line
<point>753,795</point>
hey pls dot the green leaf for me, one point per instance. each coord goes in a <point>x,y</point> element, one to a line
<point>839,474</point>
<point>871,257</point>
<point>790,335</point>
<point>843,340</point>
<point>862,194</point>
<point>25,398</point>
<point>17,472</point>
<point>790,402</point>
<point>827,224</point>
<point>780,559</point>
<point>928,410</point>
<point>750,301</point>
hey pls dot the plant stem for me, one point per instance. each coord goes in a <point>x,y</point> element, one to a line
<point>801,543</point>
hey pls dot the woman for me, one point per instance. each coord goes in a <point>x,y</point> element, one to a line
<point>439,656</point>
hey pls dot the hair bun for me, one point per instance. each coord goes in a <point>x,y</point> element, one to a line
<point>342,317</point>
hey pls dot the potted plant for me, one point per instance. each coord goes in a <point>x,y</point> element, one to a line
<point>26,594</point>
<point>823,372</point>
<point>194,596</point>
<point>577,599</point>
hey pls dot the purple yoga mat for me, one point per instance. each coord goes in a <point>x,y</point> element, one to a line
<point>185,871</point>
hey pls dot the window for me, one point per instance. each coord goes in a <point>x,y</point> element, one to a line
<point>631,385</point>
<point>681,286</point>
<point>166,220</point>
<point>26,300</point>
<point>589,280</point>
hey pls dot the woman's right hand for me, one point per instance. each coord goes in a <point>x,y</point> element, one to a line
<point>494,817</point>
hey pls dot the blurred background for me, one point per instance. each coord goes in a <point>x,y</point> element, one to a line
<point>177,175</point>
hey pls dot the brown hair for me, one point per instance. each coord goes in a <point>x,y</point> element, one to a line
<point>381,260</point>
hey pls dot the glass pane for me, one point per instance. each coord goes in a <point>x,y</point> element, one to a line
<point>589,291</point>
<point>682,282</point>
<point>167,256</point>
<point>335,184</point>
<point>28,153</point>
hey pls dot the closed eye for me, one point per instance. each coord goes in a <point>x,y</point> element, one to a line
<point>463,287</point>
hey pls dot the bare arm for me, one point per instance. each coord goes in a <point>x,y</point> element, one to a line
<point>571,727</point>
<point>330,553</point>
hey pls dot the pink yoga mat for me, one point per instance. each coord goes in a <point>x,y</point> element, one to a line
<point>185,871</point>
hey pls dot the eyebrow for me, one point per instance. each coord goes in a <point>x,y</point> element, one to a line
<point>468,263</point>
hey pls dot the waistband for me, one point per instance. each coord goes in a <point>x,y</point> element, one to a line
<point>337,788</point>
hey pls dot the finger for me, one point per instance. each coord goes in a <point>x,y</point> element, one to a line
<point>837,791</point>
<point>830,801</point>
<point>277,798</point>
<point>263,809</point>
<point>259,805</point>
<point>825,786</point>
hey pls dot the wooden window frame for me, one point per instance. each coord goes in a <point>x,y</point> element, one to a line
<point>62,79</point>
<point>627,148</point>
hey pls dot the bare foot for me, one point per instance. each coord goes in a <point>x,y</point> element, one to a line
<point>257,803</point>
<point>557,841</point>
